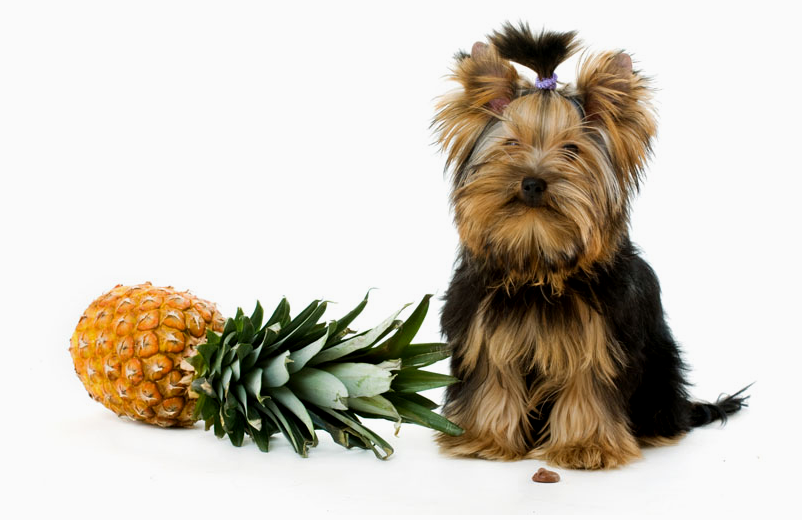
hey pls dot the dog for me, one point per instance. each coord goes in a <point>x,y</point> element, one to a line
<point>555,322</point>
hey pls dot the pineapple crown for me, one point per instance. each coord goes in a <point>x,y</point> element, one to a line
<point>298,375</point>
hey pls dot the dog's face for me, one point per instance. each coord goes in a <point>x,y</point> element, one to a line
<point>542,178</point>
<point>537,190</point>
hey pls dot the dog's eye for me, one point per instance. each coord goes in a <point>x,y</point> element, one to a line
<point>571,149</point>
<point>512,142</point>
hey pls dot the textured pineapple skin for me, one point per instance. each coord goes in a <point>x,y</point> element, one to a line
<point>130,346</point>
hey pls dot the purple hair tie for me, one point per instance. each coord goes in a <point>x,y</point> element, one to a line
<point>547,84</point>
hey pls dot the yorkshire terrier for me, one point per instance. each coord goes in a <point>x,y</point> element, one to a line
<point>555,322</point>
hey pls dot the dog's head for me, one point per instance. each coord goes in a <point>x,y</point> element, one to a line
<point>542,176</point>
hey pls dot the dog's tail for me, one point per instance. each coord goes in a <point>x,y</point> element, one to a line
<point>726,405</point>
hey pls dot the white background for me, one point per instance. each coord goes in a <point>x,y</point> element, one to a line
<point>248,150</point>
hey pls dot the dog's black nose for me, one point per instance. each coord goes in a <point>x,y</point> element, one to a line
<point>532,189</point>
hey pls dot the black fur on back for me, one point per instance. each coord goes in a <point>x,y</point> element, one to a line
<point>542,52</point>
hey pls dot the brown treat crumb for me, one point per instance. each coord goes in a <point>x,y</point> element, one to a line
<point>545,476</point>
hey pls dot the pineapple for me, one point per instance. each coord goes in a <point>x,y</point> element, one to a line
<point>168,358</point>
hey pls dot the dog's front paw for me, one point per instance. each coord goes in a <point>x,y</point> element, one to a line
<point>487,447</point>
<point>588,456</point>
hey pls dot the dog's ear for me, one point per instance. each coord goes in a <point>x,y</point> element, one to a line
<point>617,101</point>
<point>488,80</point>
<point>488,84</point>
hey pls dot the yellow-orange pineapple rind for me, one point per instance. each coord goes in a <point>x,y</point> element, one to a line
<point>129,350</point>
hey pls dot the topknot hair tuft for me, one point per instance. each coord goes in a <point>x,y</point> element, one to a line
<point>542,52</point>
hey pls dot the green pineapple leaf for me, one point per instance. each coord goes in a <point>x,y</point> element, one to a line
<point>301,357</point>
<point>341,325</point>
<point>358,342</point>
<point>257,316</point>
<point>374,406</point>
<point>410,380</point>
<point>275,372</point>
<point>320,388</point>
<point>285,396</point>
<point>415,413</point>
<point>361,379</point>
<point>425,354</point>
